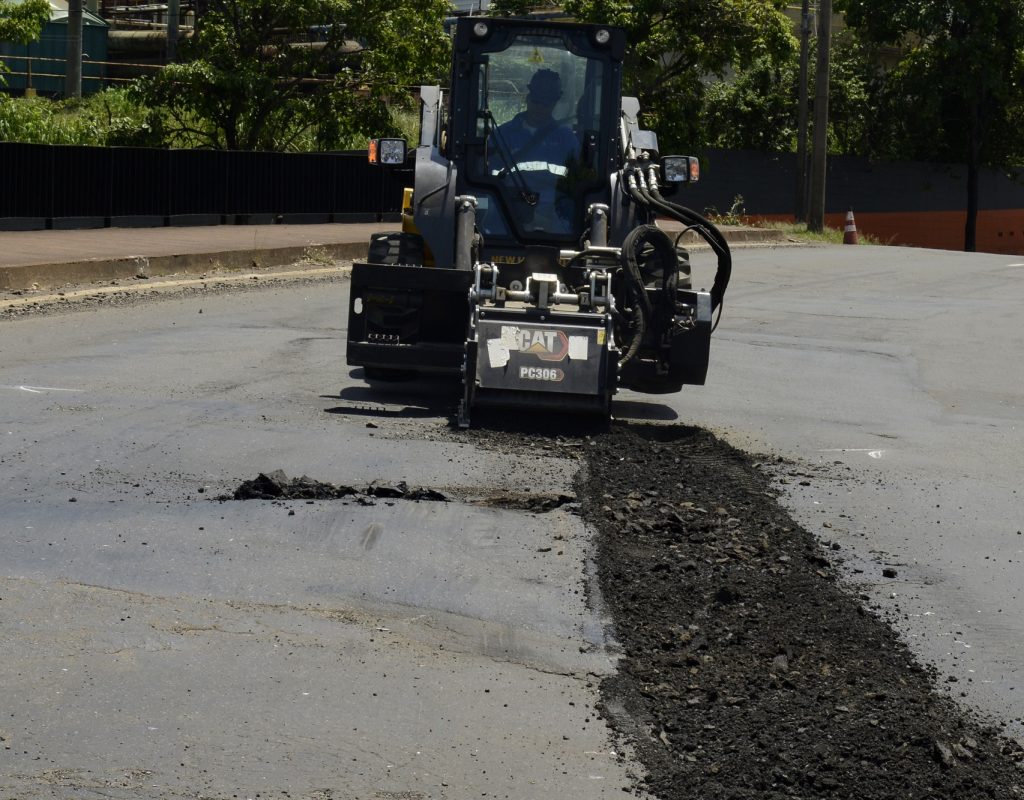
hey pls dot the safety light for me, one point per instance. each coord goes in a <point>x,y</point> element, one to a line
<point>680,169</point>
<point>387,151</point>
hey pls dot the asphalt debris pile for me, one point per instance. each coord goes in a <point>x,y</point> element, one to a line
<point>276,485</point>
<point>531,502</point>
<point>748,671</point>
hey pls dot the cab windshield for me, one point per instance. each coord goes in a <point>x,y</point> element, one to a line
<point>538,114</point>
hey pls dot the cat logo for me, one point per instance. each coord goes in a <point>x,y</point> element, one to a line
<point>546,344</point>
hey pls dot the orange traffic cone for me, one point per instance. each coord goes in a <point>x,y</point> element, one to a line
<point>850,231</point>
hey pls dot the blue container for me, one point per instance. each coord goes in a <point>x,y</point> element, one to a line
<point>42,64</point>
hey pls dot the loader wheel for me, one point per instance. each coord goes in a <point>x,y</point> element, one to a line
<point>651,267</point>
<point>396,248</point>
<point>685,271</point>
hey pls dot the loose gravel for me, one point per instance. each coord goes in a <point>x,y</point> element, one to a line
<point>748,670</point>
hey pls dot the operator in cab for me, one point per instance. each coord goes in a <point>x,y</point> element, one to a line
<point>534,135</point>
<point>541,151</point>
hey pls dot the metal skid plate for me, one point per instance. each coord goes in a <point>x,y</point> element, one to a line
<point>558,353</point>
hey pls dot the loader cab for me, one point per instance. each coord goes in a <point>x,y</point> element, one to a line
<point>534,126</point>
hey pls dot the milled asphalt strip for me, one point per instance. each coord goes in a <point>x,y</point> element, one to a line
<point>150,285</point>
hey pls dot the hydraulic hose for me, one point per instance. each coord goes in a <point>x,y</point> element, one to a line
<point>643,311</point>
<point>710,233</point>
<point>641,240</point>
<point>636,187</point>
<point>640,328</point>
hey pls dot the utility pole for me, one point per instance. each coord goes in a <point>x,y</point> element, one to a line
<point>73,59</point>
<point>173,15</point>
<point>816,213</point>
<point>800,212</point>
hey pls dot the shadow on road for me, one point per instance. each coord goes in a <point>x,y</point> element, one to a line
<point>413,396</point>
<point>639,410</point>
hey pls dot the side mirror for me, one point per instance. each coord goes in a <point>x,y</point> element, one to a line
<point>387,151</point>
<point>680,169</point>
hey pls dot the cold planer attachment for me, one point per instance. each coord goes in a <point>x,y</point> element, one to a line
<point>565,342</point>
<point>539,348</point>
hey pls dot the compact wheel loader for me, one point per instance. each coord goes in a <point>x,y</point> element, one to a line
<point>529,262</point>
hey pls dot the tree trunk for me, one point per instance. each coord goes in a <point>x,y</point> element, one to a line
<point>819,156</point>
<point>971,227</point>
<point>973,172</point>
<point>800,211</point>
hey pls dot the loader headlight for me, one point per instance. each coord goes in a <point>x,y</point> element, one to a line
<point>603,36</point>
<point>481,30</point>
<point>387,151</point>
<point>680,169</point>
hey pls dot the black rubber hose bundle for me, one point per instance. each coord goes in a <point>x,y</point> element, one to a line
<point>711,234</point>
<point>704,227</point>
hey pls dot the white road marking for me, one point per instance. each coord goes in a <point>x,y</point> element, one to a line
<point>40,389</point>
<point>871,452</point>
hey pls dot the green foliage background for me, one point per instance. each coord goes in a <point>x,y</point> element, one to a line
<point>920,79</point>
<point>22,22</point>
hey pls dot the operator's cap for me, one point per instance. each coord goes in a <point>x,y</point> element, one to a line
<point>545,87</point>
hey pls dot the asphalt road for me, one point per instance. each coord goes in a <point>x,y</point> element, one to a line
<point>159,643</point>
<point>167,644</point>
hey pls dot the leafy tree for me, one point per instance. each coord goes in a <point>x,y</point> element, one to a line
<point>852,71</point>
<point>753,110</point>
<point>21,23</point>
<point>267,75</point>
<point>675,46</point>
<point>956,92</point>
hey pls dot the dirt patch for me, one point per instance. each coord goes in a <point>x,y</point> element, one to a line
<point>532,503</point>
<point>276,485</point>
<point>748,671</point>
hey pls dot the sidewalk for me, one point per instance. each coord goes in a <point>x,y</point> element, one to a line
<point>46,259</point>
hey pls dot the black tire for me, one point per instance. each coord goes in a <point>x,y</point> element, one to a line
<point>685,271</point>
<point>651,268</point>
<point>396,248</point>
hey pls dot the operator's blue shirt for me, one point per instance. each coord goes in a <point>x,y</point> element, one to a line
<point>552,143</point>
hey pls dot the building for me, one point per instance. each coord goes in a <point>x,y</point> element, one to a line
<point>40,67</point>
<point>470,7</point>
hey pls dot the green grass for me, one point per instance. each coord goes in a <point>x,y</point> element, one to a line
<point>799,231</point>
<point>794,230</point>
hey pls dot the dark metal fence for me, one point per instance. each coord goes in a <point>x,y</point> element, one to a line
<point>74,187</point>
<point>766,184</point>
<point>43,186</point>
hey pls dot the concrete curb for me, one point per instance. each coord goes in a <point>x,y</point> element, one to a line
<point>171,284</point>
<point>50,276</point>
